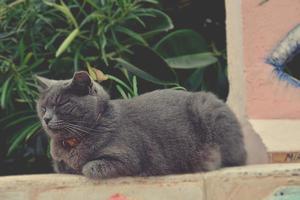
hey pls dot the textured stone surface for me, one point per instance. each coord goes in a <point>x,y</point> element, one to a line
<point>251,182</point>
<point>62,187</point>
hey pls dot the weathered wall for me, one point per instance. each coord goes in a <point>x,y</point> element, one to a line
<point>257,152</point>
<point>264,26</point>
<point>254,31</point>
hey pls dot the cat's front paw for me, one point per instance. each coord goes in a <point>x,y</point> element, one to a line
<point>91,170</point>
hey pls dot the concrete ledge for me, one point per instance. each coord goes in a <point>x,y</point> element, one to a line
<point>251,182</point>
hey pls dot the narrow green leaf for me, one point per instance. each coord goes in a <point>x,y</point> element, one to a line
<point>156,21</point>
<point>76,59</point>
<point>129,95</point>
<point>180,43</point>
<point>151,1</point>
<point>137,18</point>
<point>178,88</point>
<point>134,85</point>
<point>52,40</point>
<point>14,115</point>
<point>27,58</point>
<point>21,136</point>
<point>20,120</point>
<point>131,34</point>
<point>26,68</point>
<point>117,80</point>
<point>21,50</point>
<point>140,73</point>
<point>199,60</point>
<point>122,92</point>
<point>67,42</point>
<point>93,4</point>
<point>33,131</point>
<point>65,10</point>
<point>4,91</point>
<point>195,80</point>
<point>103,46</point>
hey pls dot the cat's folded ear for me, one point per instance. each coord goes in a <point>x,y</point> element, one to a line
<point>81,83</point>
<point>43,83</point>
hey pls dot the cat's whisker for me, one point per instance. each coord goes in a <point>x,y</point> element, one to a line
<point>70,130</point>
<point>80,121</point>
<point>73,126</point>
<point>76,128</point>
<point>82,127</point>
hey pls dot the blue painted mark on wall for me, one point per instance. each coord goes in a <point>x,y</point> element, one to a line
<point>283,53</point>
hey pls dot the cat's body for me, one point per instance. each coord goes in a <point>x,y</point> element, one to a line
<point>158,133</point>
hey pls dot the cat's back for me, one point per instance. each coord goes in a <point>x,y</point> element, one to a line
<point>160,110</point>
<point>164,96</point>
<point>162,103</point>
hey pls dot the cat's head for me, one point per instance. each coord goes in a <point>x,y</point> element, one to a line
<point>70,108</point>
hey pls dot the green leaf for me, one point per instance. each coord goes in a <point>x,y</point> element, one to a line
<point>20,120</point>
<point>137,18</point>
<point>122,92</point>
<point>14,115</point>
<point>134,85</point>
<point>151,1</point>
<point>131,34</point>
<point>27,58</point>
<point>195,80</point>
<point>65,10</point>
<point>155,20</point>
<point>66,43</point>
<point>185,49</point>
<point>33,131</point>
<point>154,66</point>
<point>117,80</point>
<point>26,68</point>
<point>21,136</point>
<point>103,46</point>
<point>5,92</point>
<point>93,4</point>
<point>178,88</point>
<point>52,40</point>
<point>140,73</point>
<point>181,42</point>
<point>155,70</point>
<point>191,61</point>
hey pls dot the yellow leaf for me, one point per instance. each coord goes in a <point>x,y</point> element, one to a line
<point>96,74</point>
<point>91,71</point>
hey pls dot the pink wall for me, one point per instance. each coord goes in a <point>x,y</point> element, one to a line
<point>263,28</point>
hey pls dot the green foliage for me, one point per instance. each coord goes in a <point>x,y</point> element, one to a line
<point>128,40</point>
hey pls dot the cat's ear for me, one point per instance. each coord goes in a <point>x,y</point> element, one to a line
<point>43,83</point>
<point>81,83</point>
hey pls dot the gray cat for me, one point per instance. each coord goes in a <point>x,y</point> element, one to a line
<point>158,133</point>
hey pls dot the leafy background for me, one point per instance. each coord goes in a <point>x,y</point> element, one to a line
<point>130,46</point>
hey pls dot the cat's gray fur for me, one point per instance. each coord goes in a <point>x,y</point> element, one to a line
<point>158,133</point>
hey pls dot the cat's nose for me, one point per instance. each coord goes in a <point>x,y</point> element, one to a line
<point>47,120</point>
